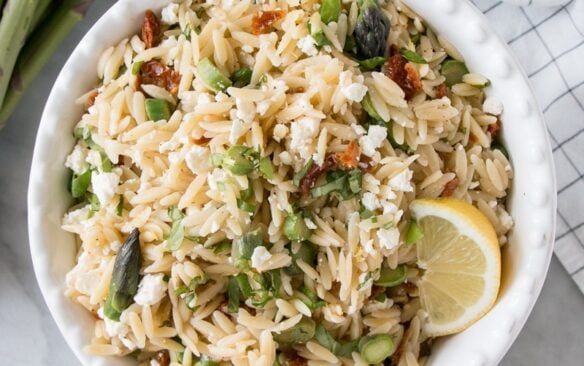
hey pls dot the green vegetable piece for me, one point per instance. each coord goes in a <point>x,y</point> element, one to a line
<point>243,247</point>
<point>412,56</point>
<point>233,295</point>
<point>392,277</point>
<point>222,247</point>
<point>120,206</point>
<point>266,168</point>
<point>330,11</point>
<point>300,251</point>
<point>414,233</point>
<point>175,214</point>
<point>391,139</point>
<point>302,172</point>
<point>216,159</point>
<point>80,183</point>
<point>350,45</point>
<point>318,35</point>
<point>206,363</point>
<point>244,286</point>
<point>371,64</point>
<point>177,232</point>
<point>240,160</point>
<point>136,67</point>
<point>310,298</point>
<point>341,349</point>
<point>501,148</point>
<point>211,75</point>
<point>125,277</point>
<point>323,190</point>
<point>453,71</point>
<point>301,333</point>
<point>346,349</point>
<point>246,206</point>
<point>371,29</point>
<point>241,77</point>
<point>247,193</point>
<point>365,213</point>
<point>416,38</point>
<point>374,349</point>
<point>82,133</point>
<point>355,180</point>
<point>370,109</point>
<point>94,203</point>
<point>295,227</point>
<point>157,109</point>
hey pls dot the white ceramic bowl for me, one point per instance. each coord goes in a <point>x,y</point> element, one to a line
<point>532,202</point>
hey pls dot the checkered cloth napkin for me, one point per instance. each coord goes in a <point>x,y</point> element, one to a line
<point>548,38</point>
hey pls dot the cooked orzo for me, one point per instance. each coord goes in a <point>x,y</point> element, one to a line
<point>244,172</point>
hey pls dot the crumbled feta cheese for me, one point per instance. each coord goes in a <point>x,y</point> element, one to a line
<point>359,130</point>
<point>197,159</point>
<point>310,224</point>
<point>119,329</point>
<point>76,160</point>
<point>493,105</point>
<point>216,179</point>
<point>371,184</point>
<point>280,131</point>
<point>245,110</point>
<point>370,201</point>
<point>77,216</point>
<point>260,256</point>
<point>170,14</point>
<point>93,158</point>
<point>104,186</point>
<point>303,133</point>
<point>373,140</point>
<point>354,92</point>
<point>388,207</point>
<point>263,106</point>
<point>238,129</point>
<point>402,181</point>
<point>308,46</point>
<point>388,238</point>
<point>368,247</point>
<point>151,290</point>
<point>268,45</point>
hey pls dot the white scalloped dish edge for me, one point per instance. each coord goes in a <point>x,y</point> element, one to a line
<point>532,202</point>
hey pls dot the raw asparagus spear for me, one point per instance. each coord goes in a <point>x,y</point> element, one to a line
<point>16,20</point>
<point>41,11</point>
<point>39,48</point>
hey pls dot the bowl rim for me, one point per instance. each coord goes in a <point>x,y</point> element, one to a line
<point>506,70</point>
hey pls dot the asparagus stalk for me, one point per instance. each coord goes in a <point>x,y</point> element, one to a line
<point>16,20</point>
<point>43,42</point>
<point>40,13</point>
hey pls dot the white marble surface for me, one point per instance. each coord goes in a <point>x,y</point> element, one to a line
<point>28,335</point>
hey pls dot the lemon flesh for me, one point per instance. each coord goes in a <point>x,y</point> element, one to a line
<point>461,262</point>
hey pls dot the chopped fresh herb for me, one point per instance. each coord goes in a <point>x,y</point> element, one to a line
<point>247,193</point>
<point>414,233</point>
<point>246,206</point>
<point>382,297</point>
<point>212,76</point>
<point>295,227</point>
<point>304,251</point>
<point>300,333</point>
<point>216,159</point>
<point>310,298</point>
<point>106,165</point>
<point>345,184</point>
<point>341,349</point>
<point>501,148</point>
<point>330,10</point>
<point>371,64</point>
<point>392,277</point>
<point>241,77</point>
<point>177,232</point>
<point>240,160</point>
<point>136,67</point>
<point>243,248</point>
<point>412,56</point>
<point>388,225</point>
<point>336,185</point>
<point>120,206</point>
<point>122,70</point>
<point>206,363</point>
<point>266,168</point>
<point>244,286</point>
<point>93,203</point>
<point>80,183</point>
<point>374,219</point>
<point>302,172</point>
<point>82,133</point>
<point>355,180</point>
<point>200,11</point>
<point>365,213</point>
<point>368,277</point>
<point>415,37</point>
<point>222,247</point>
<point>157,109</point>
<point>233,293</point>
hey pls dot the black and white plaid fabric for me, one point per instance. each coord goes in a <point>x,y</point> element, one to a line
<point>548,38</point>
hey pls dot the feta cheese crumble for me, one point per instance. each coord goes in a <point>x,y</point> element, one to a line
<point>373,140</point>
<point>308,46</point>
<point>493,105</point>
<point>355,92</point>
<point>388,238</point>
<point>402,181</point>
<point>370,201</point>
<point>76,161</point>
<point>104,186</point>
<point>260,256</point>
<point>170,14</point>
<point>303,132</point>
<point>197,159</point>
<point>151,290</point>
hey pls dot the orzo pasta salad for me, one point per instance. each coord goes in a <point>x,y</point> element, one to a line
<point>285,183</point>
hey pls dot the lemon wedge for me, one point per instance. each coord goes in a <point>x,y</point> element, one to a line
<point>460,259</point>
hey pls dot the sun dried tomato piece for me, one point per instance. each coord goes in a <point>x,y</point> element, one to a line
<point>494,129</point>
<point>153,72</point>
<point>441,91</point>
<point>163,358</point>
<point>150,29</point>
<point>264,20</point>
<point>450,187</point>
<point>91,99</point>
<point>315,171</point>
<point>348,159</point>
<point>398,69</point>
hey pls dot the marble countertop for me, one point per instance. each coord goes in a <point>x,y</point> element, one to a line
<point>29,336</point>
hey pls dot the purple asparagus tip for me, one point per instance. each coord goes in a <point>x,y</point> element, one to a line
<point>16,82</point>
<point>82,7</point>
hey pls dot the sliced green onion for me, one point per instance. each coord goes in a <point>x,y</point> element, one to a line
<point>323,190</point>
<point>300,333</point>
<point>414,233</point>
<point>365,213</point>
<point>412,56</point>
<point>243,247</point>
<point>80,183</point>
<point>370,109</point>
<point>453,71</point>
<point>266,168</point>
<point>212,76</point>
<point>241,77</point>
<point>300,251</point>
<point>298,176</point>
<point>295,227</point>
<point>240,160</point>
<point>355,180</point>
<point>136,67</point>
<point>233,295</point>
<point>330,11</point>
<point>157,109</point>
<point>392,277</point>
<point>244,286</point>
<point>222,247</point>
<point>371,64</point>
<point>374,349</point>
